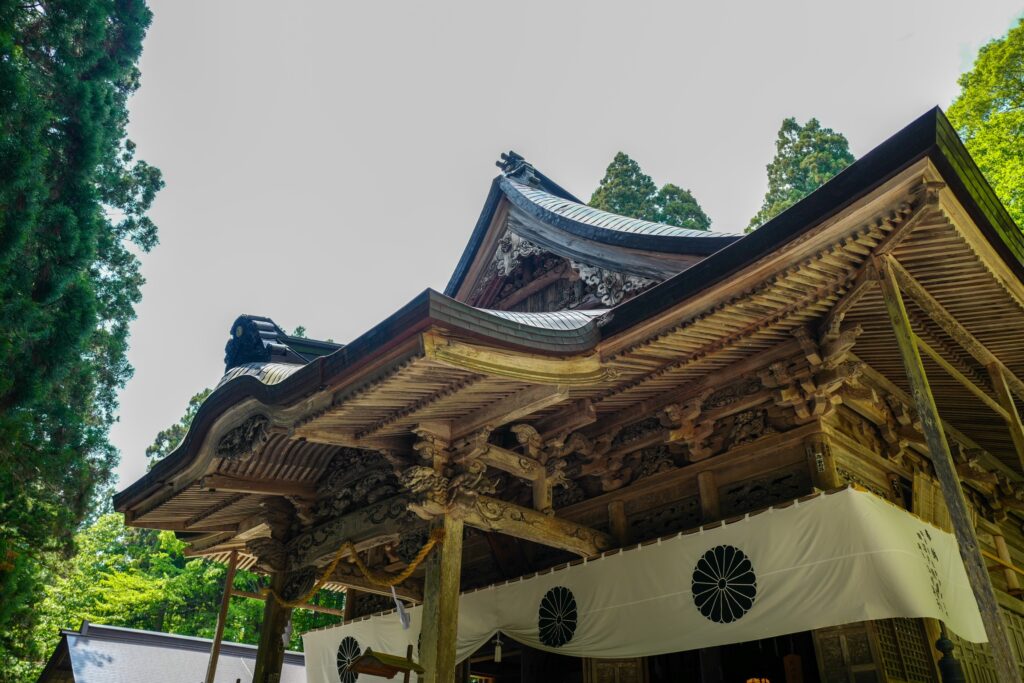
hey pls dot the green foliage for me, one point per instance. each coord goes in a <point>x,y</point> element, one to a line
<point>989,116</point>
<point>73,203</point>
<point>168,439</point>
<point>806,157</point>
<point>628,191</point>
<point>139,578</point>
<point>299,331</point>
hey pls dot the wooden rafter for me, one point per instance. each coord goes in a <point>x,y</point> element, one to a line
<point>945,470</point>
<point>511,409</point>
<point>968,384</point>
<point>275,487</point>
<point>944,319</point>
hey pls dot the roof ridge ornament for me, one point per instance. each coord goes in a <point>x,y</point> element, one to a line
<point>516,167</point>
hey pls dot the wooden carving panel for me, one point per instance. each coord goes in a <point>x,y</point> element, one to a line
<point>666,519</point>
<point>760,492</point>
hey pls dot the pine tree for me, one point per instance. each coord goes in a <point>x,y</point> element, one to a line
<point>989,116</point>
<point>806,157</point>
<point>73,203</point>
<point>626,190</point>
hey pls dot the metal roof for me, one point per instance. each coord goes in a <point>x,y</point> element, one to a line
<point>555,320</point>
<point>110,654</point>
<point>603,219</point>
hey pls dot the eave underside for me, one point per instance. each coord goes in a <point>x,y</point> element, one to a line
<point>455,382</point>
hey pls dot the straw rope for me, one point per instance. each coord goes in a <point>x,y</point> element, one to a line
<point>381,579</point>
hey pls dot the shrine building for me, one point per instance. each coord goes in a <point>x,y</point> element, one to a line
<point>621,451</point>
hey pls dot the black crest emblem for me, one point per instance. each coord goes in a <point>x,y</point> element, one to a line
<point>557,617</point>
<point>724,584</point>
<point>348,652</point>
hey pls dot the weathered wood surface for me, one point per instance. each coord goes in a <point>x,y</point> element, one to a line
<point>944,319</point>
<point>945,470</point>
<point>385,518</point>
<point>270,652</point>
<point>1010,414</point>
<point>441,603</point>
<point>277,487</point>
<point>491,514</point>
<point>222,615</point>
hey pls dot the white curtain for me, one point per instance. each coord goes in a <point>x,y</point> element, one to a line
<point>834,559</point>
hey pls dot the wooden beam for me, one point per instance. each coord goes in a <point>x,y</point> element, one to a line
<point>384,518</point>
<point>834,320</point>
<point>1012,417</point>
<point>618,522</point>
<point>531,287</point>
<point>518,465</point>
<point>222,615</point>
<point>978,392</point>
<point>439,631</point>
<point>491,514</point>
<point>566,421</point>
<point>707,490</point>
<point>511,409</point>
<point>944,319</point>
<point>583,370</point>
<point>306,606</point>
<point>904,228</point>
<point>949,481</point>
<point>274,487</point>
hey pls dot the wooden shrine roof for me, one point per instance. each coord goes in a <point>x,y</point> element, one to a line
<point>437,360</point>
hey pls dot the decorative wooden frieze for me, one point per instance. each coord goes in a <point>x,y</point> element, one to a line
<point>354,478</point>
<point>610,287</point>
<point>381,519</point>
<point>299,583</point>
<point>511,250</point>
<point>244,439</point>
<point>271,554</point>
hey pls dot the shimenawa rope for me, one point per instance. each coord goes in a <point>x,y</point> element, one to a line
<point>377,578</point>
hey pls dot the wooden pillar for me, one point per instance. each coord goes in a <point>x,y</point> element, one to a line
<point>441,603</point>
<point>945,470</point>
<point>1003,551</point>
<point>707,489</point>
<point>225,602</point>
<point>1013,422</point>
<point>822,463</point>
<point>618,523</point>
<point>270,655</point>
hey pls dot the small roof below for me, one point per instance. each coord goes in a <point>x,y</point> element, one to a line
<point>111,654</point>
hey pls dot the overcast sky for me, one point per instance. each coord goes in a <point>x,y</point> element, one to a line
<point>326,161</point>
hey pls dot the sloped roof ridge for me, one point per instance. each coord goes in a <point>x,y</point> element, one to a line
<point>598,218</point>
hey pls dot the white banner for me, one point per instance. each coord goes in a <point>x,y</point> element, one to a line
<point>834,559</point>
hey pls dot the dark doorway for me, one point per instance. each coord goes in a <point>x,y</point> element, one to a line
<point>522,664</point>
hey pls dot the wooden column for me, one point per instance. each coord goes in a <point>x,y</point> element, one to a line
<point>945,470</point>
<point>225,602</point>
<point>618,523</point>
<point>441,603</point>
<point>270,655</point>
<point>1003,551</point>
<point>707,489</point>
<point>822,463</point>
<point>1013,422</point>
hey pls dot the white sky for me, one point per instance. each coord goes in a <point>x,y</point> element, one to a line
<point>326,161</point>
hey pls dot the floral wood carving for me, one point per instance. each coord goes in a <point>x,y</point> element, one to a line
<point>244,439</point>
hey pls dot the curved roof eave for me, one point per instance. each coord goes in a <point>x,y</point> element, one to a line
<point>558,334</point>
<point>589,223</point>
